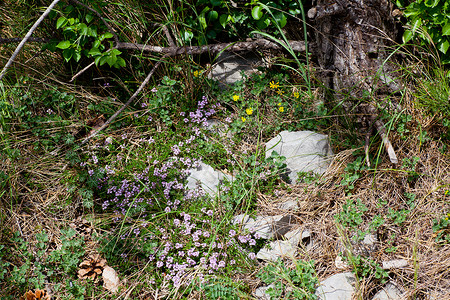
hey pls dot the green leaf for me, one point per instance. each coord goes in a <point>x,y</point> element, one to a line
<point>407,36</point>
<point>61,22</point>
<point>63,45</point>
<point>215,2</point>
<point>68,53</point>
<point>257,12</point>
<point>89,18</point>
<point>83,29</point>
<point>431,3</point>
<point>280,18</point>
<point>94,52</point>
<point>224,19</point>
<point>108,35</point>
<point>443,46</point>
<point>212,15</point>
<point>121,62</point>
<point>446,29</point>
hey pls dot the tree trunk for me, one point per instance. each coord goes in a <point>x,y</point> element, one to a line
<point>352,40</point>
<point>352,48</point>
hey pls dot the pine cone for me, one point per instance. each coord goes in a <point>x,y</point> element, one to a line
<point>91,267</point>
<point>35,295</point>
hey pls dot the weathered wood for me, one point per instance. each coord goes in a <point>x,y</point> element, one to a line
<point>352,39</point>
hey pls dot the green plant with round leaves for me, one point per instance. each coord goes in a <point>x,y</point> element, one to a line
<point>84,35</point>
<point>428,22</point>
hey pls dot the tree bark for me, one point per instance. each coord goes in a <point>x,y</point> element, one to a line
<point>352,38</point>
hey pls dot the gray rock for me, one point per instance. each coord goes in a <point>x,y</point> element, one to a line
<point>261,292</point>
<point>241,219</point>
<point>277,249</point>
<point>305,151</point>
<point>389,292</point>
<point>216,126</point>
<point>207,178</point>
<point>263,226</point>
<point>337,287</point>
<point>229,67</point>
<point>290,205</point>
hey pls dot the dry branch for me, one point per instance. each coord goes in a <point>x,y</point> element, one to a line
<point>297,46</point>
<point>27,36</point>
<point>141,87</point>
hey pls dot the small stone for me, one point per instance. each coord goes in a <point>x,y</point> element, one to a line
<point>261,292</point>
<point>241,219</point>
<point>290,205</point>
<point>263,226</point>
<point>389,292</point>
<point>340,263</point>
<point>337,287</point>
<point>277,249</point>
<point>395,264</point>
<point>208,178</point>
<point>110,279</point>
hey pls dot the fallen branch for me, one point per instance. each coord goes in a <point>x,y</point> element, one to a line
<point>297,46</point>
<point>27,36</point>
<point>141,87</point>
<point>371,111</point>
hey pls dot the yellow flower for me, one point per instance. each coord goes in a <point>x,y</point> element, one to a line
<point>274,85</point>
<point>296,95</point>
<point>195,73</point>
<point>447,192</point>
<point>279,92</point>
<point>235,97</point>
<point>279,103</point>
<point>281,108</point>
<point>249,111</point>
<point>243,119</point>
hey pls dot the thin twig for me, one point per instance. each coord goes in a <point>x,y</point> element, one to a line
<point>81,71</point>
<point>141,87</point>
<point>168,36</point>
<point>27,36</point>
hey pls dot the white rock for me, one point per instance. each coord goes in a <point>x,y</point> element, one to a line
<point>304,151</point>
<point>277,249</point>
<point>290,205</point>
<point>337,287</point>
<point>208,178</point>
<point>389,292</point>
<point>241,219</point>
<point>263,226</point>
<point>340,263</point>
<point>110,279</point>
<point>261,292</point>
<point>395,264</point>
<point>295,236</point>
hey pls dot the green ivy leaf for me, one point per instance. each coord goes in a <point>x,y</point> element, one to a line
<point>212,15</point>
<point>257,12</point>
<point>63,45</point>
